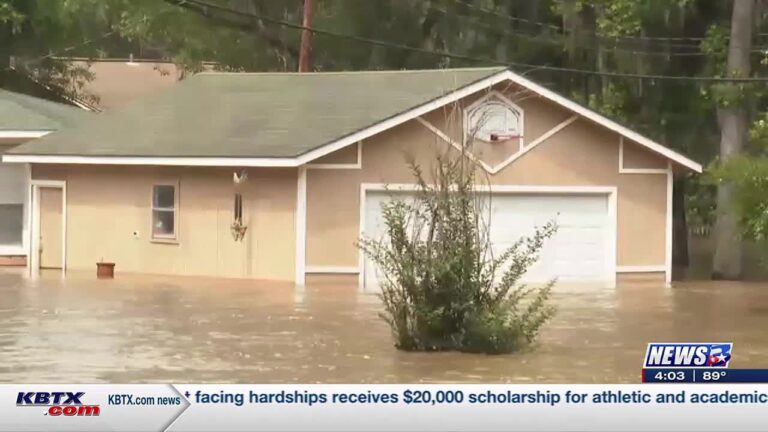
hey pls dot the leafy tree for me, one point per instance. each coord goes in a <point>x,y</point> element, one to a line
<point>747,173</point>
<point>442,286</point>
<point>32,31</point>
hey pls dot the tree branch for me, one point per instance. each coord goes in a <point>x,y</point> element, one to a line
<point>239,22</point>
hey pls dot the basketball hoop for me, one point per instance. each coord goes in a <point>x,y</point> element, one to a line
<point>503,137</point>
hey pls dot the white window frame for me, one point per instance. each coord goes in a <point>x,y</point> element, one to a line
<point>164,238</point>
<point>21,250</point>
<point>495,97</point>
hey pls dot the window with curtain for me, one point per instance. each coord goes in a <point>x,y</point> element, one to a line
<point>164,211</point>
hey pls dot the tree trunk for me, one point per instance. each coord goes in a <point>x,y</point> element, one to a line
<point>734,127</point>
<point>5,51</point>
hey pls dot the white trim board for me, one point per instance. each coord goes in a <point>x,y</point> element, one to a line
<point>610,191</point>
<point>154,161</point>
<point>23,134</point>
<point>604,121</point>
<point>13,250</point>
<point>357,165</point>
<point>374,129</point>
<point>496,168</point>
<point>669,225</point>
<point>23,248</point>
<point>565,189</point>
<point>623,170</point>
<point>301,226</point>
<point>440,134</point>
<point>642,269</point>
<point>27,205</point>
<point>332,270</point>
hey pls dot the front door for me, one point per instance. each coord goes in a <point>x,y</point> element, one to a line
<point>50,245</point>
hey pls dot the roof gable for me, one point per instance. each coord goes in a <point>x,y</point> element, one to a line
<point>604,121</point>
<point>281,119</point>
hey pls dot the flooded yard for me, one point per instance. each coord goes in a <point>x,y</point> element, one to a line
<point>138,329</point>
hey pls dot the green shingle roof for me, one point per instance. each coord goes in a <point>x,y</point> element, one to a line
<point>19,112</point>
<point>254,114</point>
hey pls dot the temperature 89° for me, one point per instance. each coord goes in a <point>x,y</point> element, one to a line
<point>427,397</point>
<point>712,375</point>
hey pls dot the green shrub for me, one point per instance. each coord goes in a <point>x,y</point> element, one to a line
<point>442,287</point>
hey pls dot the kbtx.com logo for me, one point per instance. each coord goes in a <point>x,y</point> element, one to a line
<point>688,355</point>
<point>58,403</point>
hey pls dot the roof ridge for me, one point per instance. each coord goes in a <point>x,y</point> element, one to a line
<point>359,72</point>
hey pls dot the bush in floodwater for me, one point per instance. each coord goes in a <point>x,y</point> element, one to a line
<point>442,287</point>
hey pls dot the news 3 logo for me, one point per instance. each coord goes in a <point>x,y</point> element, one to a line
<point>58,403</point>
<point>688,355</point>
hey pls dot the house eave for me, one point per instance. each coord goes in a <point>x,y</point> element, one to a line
<point>6,134</point>
<point>157,161</point>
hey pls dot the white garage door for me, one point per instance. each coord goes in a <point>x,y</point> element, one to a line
<point>579,252</point>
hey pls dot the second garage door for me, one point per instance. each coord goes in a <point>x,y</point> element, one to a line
<point>581,251</point>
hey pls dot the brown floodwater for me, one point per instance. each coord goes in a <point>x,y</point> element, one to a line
<point>138,329</point>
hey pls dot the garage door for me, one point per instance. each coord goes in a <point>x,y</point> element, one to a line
<point>580,251</point>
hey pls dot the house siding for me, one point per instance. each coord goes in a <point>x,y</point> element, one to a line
<point>105,205</point>
<point>582,154</point>
<point>347,155</point>
<point>636,157</point>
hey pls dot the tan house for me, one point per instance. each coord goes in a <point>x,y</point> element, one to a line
<point>23,118</point>
<point>306,159</point>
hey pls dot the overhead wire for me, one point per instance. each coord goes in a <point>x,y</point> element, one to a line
<point>205,8</point>
<point>560,39</point>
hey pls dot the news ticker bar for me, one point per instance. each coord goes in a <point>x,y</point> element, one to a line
<point>385,407</point>
<point>705,376</point>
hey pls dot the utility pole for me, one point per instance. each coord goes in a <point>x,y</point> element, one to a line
<point>305,50</point>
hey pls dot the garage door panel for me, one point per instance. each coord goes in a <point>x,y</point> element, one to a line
<point>571,235</point>
<point>577,252</point>
<point>553,202</point>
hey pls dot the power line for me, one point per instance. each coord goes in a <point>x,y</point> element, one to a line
<point>546,39</point>
<point>561,30</point>
<point>205,6</point>
<point>558,29</point>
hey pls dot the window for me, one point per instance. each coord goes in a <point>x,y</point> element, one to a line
<point>494,120</point>
<point>11,224</point>
<point>13,190</point>
<point>164,206</point>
